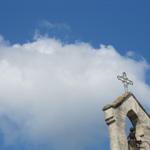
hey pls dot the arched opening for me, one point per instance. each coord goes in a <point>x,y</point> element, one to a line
<point>128,126</point>
<point>131,126</point>
<point>132,117</point>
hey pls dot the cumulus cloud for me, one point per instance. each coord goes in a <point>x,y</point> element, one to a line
<point>54,29</point>
<point>52,93</point>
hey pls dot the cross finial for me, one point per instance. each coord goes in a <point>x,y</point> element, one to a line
<point>126,82</point>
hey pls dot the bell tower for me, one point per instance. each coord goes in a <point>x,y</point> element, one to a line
<point>127,106</point>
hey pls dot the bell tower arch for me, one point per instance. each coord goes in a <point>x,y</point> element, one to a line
<point>115,116</point>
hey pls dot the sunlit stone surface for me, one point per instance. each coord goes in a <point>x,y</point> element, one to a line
<point>115,116</point>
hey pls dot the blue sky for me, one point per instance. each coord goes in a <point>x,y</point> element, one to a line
<point>122,24</point>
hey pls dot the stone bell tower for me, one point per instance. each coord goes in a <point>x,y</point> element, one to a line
<point>127,106</point>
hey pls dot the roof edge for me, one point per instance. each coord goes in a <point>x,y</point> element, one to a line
<point>118,101</point>
<point>121,99</point>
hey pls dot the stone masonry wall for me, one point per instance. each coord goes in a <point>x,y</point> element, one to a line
<point>115,116</point>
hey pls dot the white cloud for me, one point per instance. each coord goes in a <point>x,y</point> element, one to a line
<point>53,29</point>
<point>51,25</point>
<point>52,92</point>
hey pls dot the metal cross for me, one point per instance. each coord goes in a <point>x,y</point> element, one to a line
<point>125,81</point>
